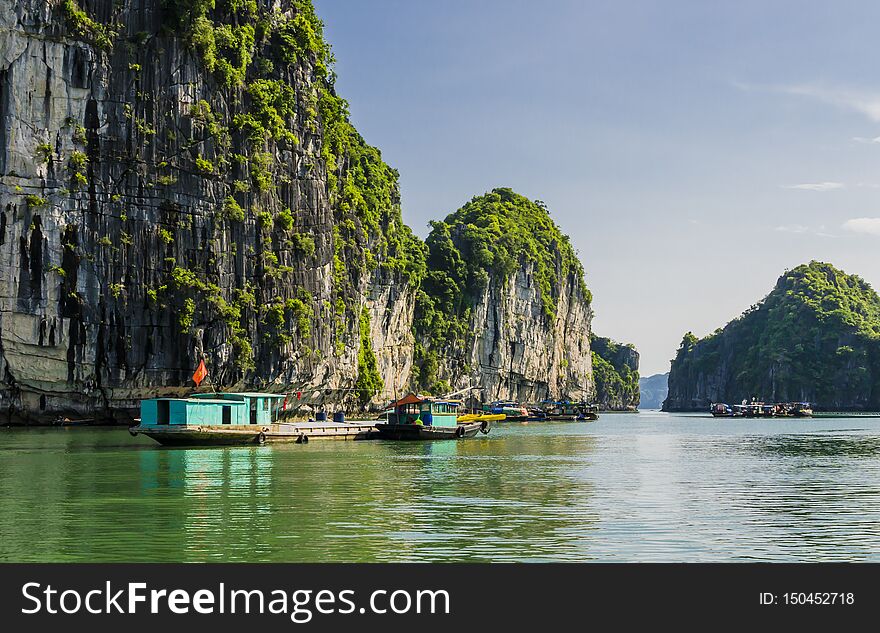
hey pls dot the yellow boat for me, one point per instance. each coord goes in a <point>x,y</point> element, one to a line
<point>480,417</point>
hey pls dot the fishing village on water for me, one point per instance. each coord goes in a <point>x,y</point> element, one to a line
<point>226,418</point>
<point>207,267</point>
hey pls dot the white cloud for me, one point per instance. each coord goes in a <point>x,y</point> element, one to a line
<point>864,102</point>
<point>817,186</point>
<point>863,139</point>
<point>793,228</point>
<point>801,229</point>
<point>868,226</point>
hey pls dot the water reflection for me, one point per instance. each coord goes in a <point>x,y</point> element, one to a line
<point>817,445</point>
<point>632,488</point>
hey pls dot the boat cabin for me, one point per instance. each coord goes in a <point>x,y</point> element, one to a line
<point>415,409</point>
<point>213,409</point>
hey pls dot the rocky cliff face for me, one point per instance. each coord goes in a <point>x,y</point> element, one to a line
<point>814,338</point>
<point>616,372</point>
<point>515,354</point>
<point>178,182</point>
<point>504,306</point>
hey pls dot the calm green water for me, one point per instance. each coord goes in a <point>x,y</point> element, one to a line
<point>641,487</point>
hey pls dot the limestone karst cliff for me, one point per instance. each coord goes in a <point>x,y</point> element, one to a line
<point>616,372</point>
<point>179,180</point>
<point>815,337</point>
<point>504,306</point>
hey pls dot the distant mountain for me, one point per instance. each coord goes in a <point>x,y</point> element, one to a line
<point>815,338</point>
<point>653,391</point>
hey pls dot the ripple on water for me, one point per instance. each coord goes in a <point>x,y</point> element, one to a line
<point>627,488</point>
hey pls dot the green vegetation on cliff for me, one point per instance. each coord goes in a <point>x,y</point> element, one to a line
<point>815,337</point>
<point>258,55</point>
<point>488,239</point>
<point>369,381</point>
<point>616,373</point>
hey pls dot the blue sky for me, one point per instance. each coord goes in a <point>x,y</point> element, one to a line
<point>693,151</point>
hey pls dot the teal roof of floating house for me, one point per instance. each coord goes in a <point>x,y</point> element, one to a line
<point>213,409</point>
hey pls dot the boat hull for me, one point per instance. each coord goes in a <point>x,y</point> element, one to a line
<point>300,433</point>
<point>417,432</point>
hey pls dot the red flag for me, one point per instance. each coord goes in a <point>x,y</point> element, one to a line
<point>201,372</point>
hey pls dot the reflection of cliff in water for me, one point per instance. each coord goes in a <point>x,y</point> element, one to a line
<point>92,495</point>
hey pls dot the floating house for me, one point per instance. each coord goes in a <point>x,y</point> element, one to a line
<point>209,419</point>
<point>212,409</point>
<point>416,417</point>
<point>414,409</point>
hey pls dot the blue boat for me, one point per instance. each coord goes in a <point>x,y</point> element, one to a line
<point>417,417</point>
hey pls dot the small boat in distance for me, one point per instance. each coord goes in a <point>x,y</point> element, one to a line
<point>565,410</point>
<point>721,410</point>
<point>762,410</point>
<point>416,417</point>
<point>512,411</point>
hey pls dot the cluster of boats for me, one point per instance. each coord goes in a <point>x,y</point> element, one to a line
<point>250,417</point>
<point>762,410</point>
<point>544,411</point>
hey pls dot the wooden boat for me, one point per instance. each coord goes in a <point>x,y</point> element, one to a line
<point>512,411</point>
<point>800,409</point>
<point>222,419</point>
<point>762,410</point>
<point>566,411</point>
<point>721,410</point>
<point>416,417</point>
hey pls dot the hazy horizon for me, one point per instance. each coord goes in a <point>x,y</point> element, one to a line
<point>693,152</point>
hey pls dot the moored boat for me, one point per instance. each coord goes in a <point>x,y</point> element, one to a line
<point>416,417</point>
<point>721,410</point>
<point>512,411</point>
<point>565,410</point>
<point>756,409</point>
<point>221,419</point>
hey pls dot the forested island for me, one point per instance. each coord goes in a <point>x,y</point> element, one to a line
<point>815,338</point>
<point>181,181</point>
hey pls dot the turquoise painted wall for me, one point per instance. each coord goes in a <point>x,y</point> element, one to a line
<point>198,410</point>
<point>148,412</point>
<point>177,410</point>
<point>445,419</point>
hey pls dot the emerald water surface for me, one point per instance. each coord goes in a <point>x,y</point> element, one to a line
<point>630,487</point>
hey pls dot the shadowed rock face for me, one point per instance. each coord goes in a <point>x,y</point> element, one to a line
<point>616,372</point>
<point>118,264</point>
